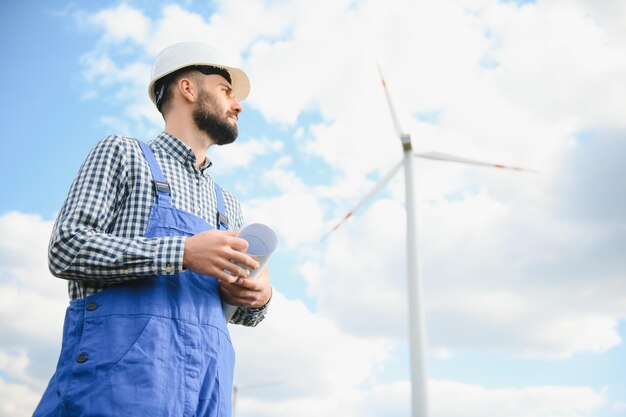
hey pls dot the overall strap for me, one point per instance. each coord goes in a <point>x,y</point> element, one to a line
<point>161,186</point>
<point>222,220</point>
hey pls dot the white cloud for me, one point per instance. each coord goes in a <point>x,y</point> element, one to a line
<point>23,252</point>
<point>553,60</point>
<point>456,399</point>
<point>243,154</point>
<point>479,257</point>
<point>32,307</point>
<point>564,57</point>
<point>474,400</point>
<point>305,350</point>
<point>446,399</point>
<point>17,400</point>
<point>295,213</point>
<point>232,27</point>
<point>15,367</point>
<point>585,332</point>
<point>122,23</point>
<point>308,366</point>
<point>35,325</point>
<point>368,254</point>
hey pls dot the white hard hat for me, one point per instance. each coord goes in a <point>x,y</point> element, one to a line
<point>185,54</point>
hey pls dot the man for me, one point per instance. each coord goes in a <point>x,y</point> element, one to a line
<point>148,243</point>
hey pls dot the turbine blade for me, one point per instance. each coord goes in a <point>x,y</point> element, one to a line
<point>262,385</point>
<point>451,158</point>
<point>384,181</point>
<point>394,116</point>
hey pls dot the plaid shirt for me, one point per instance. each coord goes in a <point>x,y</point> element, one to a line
<point>98,238</point>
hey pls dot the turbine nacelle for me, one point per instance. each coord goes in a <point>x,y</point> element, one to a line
<point>405,138</point>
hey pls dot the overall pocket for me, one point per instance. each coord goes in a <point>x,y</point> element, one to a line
<point>120,367</point>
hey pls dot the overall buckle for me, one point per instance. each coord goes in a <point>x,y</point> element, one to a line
<point>161,187</point>
<point>222,220</point>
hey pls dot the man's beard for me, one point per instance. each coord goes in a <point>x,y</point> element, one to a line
<point>213,124</point>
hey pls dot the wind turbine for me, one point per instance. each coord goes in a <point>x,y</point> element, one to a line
<point>237,389</point>
<point>417,339</point>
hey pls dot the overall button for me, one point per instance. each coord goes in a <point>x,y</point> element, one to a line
<point>92,306</point>
<point>82,358</point>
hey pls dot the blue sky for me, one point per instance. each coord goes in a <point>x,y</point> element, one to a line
<point>525,289</point>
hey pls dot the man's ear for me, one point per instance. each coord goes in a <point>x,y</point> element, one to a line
<point>187,89</point>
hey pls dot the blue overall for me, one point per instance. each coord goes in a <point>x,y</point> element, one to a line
<point>150,348</point>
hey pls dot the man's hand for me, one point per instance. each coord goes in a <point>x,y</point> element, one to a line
<point>216,251</point>
<point>248,292</point>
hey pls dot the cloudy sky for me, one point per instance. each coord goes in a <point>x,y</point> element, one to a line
<point>524,274</point>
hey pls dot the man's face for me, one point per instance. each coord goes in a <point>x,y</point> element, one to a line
<point>216,110</point>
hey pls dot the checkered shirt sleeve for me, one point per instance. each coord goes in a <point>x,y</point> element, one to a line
<point>98,237</point>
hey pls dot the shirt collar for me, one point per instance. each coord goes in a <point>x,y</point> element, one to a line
<point>179,150</point>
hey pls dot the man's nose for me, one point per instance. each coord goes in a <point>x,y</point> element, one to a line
<point>236,106</point>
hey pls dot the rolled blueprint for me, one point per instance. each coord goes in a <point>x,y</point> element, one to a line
<point>262,242</point>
